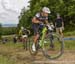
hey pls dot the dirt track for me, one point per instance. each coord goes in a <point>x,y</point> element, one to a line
<point>21,56</point>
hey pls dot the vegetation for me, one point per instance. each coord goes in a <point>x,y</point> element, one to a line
<point>5,60</point>
<point>17,55</point>
<point>9,30</point>
<point>11,53</point>
<point>66,8</point>
<point>70,33</point>
<point>0,31</point>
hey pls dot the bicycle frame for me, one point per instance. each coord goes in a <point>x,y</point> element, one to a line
<point>43,36</point>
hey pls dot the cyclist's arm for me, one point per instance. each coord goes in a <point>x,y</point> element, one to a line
<point>34,20</point>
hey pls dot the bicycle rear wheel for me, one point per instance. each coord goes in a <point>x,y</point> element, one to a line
<point>53,46</point>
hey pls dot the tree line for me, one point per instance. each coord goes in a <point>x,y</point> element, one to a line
<point>66,8</point>
<point>7,31</point>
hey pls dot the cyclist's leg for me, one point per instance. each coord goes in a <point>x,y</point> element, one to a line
<point>36,36</point>
<point>51,40</point>
<point>26,43</point>
<point>50,35</point>
<point>24,40</point>
<point>19,38</point>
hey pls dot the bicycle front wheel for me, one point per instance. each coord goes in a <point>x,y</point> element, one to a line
<point>31,46</point>
<point>53,46</point>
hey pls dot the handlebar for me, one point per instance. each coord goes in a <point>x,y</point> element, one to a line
<point>50,27</point>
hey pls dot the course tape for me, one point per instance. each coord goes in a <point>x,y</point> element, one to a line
<point>69,38</point>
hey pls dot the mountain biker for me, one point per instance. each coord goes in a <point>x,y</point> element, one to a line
<point>59,24</point>
<point>24,32</point>
<point>40,17</point>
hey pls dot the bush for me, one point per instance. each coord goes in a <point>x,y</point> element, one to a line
<point>8,30</point>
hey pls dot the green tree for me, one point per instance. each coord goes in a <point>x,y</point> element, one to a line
<point>66,8</point>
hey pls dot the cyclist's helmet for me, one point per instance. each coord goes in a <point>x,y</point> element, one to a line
<point>46,10</point>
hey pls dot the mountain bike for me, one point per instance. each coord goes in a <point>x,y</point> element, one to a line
<point>51,44</point>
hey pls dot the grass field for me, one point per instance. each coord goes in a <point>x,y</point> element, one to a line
<point>71,33</point>
<point>11,53</point>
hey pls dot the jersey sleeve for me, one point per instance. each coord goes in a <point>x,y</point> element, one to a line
<point>37,15</point>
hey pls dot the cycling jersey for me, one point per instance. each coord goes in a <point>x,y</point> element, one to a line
<point>40,17</point>
<point>37,26</point>
<point>23,32</point>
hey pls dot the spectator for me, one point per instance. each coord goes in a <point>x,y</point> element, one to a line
<point>59,24</point>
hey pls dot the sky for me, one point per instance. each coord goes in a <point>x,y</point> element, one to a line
<point>10,10</point>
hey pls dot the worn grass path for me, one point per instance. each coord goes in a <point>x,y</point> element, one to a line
<point>15,54</point>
